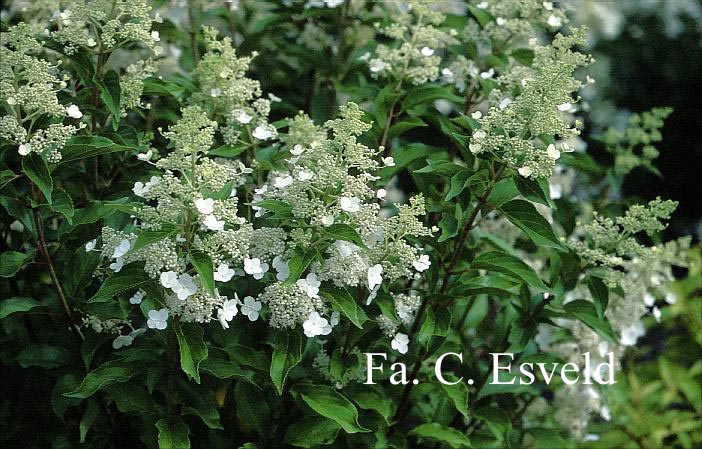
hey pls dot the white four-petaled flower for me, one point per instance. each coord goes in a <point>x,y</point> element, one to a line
<point>422,264</point>
<point>525,171</point>
<point>24,149</point>
<point>255,267</point>
<point>400,343</point>
<point>227,312</point>
<point>204,205</point>
<point>552,152</point>
<point>350,204</point>
<point>223,273</point>
<point>250,308</point>
<point>281,267</point>
<point>316,325</point>
<point>73,111</point>
<point>310,285</point>
<point>389,161</point>
<point>212,223</point>
<point>157,319</point>
<point>262,133</point>
<point>137,297</point>
<point>244,118</point>
<point>183,286</point>
<point>375,276</point>
<point>121,249</point>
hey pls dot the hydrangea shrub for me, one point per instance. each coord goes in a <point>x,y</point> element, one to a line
<point>212,211</point>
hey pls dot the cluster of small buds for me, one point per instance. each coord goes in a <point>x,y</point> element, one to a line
<point>520,19</point>
<point>354,372</point>
<point>117,23</point>
<point>510,130</point>
<point>417,30</point>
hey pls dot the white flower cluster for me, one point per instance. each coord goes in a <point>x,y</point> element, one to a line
<point>317,219</point>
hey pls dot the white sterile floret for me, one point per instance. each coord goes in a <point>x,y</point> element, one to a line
<point>375,276</point>
<point>479,134</point>
<point>204,205</point>
<point>90,245</point>
<point>24,149</point>
<point>255,267</point>
<point>244,118</point>
<point>476,115</point>
<point>274,98</point>
<point>183,286</point>
<point>91,42</point>
<point>316,325</point>
<point>422,264</point>
<point>17,226</point>
<point>305,175</point>
<point>145,156</point>
<point>227,312</point>
<point>328,220</point>
<point>345,248</point>
<point>548,6</point>
<point>121,249</point>
<point>262,133</point>
<point>487,75</point>
<point>631,333</point>
<point>137,297</point>
<point>141,189</point>
<point>73,111</point>
<point>223,273</point>
<point>426,51</point>
<point>117,265</point>
<point>656,312</point>
<point>157,319</point>
<point>250,308</point>
<point>376,66</point>
<point>334,318</point>
<point>297,150</point>
<point>389,161</point>
<point>475,148</point>
<point>281,182</point>
<point>281,267</point>
<point>310,285</point>
<point>564,107</point>
<point>212,223</point>
<point>552,152</point>
<point>525,171</point>
<point>156,36</point>
<point>350,204</point>
<point>381,193</point>
<point>400,343</point>
<point>554,21</point>
<point>215,92</point>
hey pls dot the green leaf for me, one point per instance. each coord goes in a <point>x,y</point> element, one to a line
<point>110,95</point>
<point>498,423</point>
<point>251,407</point>
<point>441,168</point>
<point>458,394</point>
<point>600,293</point>
<point>42,355</point>
<point>369,397</point>
<point>280,209</point>
<point>459,182</point>
<point>427,95</point>
<point>342,231</point>
<point>329,403</point>
<point>63,204</point>
<point>482,16</point>
<point>297,264</point>
<point>81,147</point>
<point>130,277</point>
<point>79,273</point>
<point>172,434</point>
<point>107,374</point>
<point>523,214</point>
<point>130,398</point>
<point>536,190</point>
<point>287,352</point>
<point>12,261</point>
<point>405,125</point>
<point>502,192</point>
<point>6,177</point>
<point>524,55</point>
<point>18,305</point>
<point>34,166</point>
<point>447,435</point>
<point>311,431</point>
<point>219,365</point>
<point>344,303</point>
<point>192,348</point>
<point>88,419</point>
<point>203,265</point>
<point>509,265</point>
<point>585,311</point>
